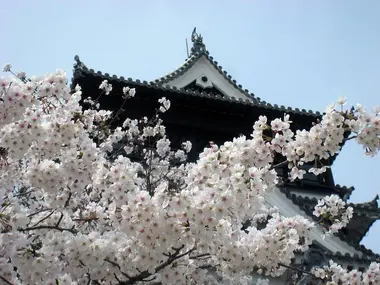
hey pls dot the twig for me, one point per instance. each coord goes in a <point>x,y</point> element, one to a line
<point>118,266</point>
<point>48,228</point>
<point>200,255</point>
<point>279,165</point>
<point>68,200</point>
<point>5,280</point>
<point>85,219</point>
<point>145,274</point>
<point>40,211</point>
<point>43,219</point>
<point>350,138</point>
<point>59,220</point>
<point>297,269</point>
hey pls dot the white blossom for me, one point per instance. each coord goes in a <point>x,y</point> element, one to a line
<point>128,92</point>
<point>75,208</point>
<point>342,101</point>
<point>106,87</point>
<point>334,209</point>
<point>165,104</point>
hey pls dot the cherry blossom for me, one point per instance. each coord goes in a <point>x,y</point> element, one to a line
<point>84,203</point>
<point>333,210</point>
<point>106,87</point>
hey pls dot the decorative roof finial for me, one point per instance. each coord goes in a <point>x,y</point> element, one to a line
<point>374,201</point>
<point>197,40</point>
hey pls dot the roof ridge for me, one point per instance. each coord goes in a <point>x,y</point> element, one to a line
<point>192,59</point>
<point>172,74</point>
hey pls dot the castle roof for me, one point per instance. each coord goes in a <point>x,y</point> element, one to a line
<point>200,83</point>
<point>200,75</point>
<point>80,70</point>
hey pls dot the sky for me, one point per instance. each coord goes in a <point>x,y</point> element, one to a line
<point>303,54</point>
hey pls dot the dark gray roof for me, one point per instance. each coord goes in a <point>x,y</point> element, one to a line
<point>346,257</point>
<point>80,69</point>
<point>344,192</point>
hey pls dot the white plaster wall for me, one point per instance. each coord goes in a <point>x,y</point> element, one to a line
<point>203,67</point>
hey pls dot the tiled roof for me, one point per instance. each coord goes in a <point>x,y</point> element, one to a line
<point>351,259</point>
<point>344,192</point>
<point>80,68</point>
<point>367,257</point>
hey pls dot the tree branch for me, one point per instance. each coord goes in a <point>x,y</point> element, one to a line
<point>297,269</point>
<point>5,280</point>
<point>40,211</point>
<point>68,200</point>
<point>200,256</point>
<point>350,138</point>
<point>145,274</point>
<point>44,218</point>
<point>118,266</point>
<point>279,165</point>
<point>72,230</point>
<point>59,220</point>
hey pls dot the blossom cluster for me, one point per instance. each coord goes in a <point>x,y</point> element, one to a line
<point>335,274</point>
<point>106,87</point>
<point>85,202</point>
<point>325,138</point>
<point>333,211</point>
<point>364,125</point>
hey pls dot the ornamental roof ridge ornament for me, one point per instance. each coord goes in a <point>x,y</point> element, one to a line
<point>79,63</point>
<point>197,40</point>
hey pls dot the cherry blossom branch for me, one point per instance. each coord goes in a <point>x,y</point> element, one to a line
<point>117,113</point>
<point>5,280</point>
<point>118,266</point>
<point>145,274</point>
<point>59,220</point>
<point>68,200</point>
<point>350,138</point>
<point>85,219</point>
<point>148,174</point>
<point>40,211</point>
<point>72,230</point>
<point>206,255</point>
<point>281,164</point>
<point>44,218</point>
<point>24,194</point>
<point>296,269</point>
